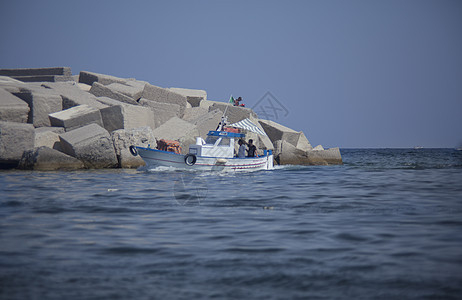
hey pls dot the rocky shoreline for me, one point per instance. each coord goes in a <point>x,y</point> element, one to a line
<point>51,120</point>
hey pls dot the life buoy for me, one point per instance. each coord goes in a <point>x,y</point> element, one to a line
<point>133,150</point>
<point>190,159</point>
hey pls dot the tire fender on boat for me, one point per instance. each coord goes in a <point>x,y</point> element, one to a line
<point>190,159</point>
<point>133,150</point>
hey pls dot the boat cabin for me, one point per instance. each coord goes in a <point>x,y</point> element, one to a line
<point>217,144</point>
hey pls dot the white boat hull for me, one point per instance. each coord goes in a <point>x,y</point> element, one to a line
<point>155,158</point>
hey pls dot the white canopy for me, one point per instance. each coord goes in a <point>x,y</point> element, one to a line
<point>248,125</point>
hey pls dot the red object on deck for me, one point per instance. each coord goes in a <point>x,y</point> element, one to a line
<point>168,145</point>
<point>232,129</point>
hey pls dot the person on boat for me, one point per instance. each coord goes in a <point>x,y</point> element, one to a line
<point>252,152</point>
<point>236,102</point>
<point>241,151</point>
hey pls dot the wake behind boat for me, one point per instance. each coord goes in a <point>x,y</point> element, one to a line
<point>216,153</point>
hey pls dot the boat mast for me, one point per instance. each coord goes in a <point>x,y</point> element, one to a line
<point>224,119</point>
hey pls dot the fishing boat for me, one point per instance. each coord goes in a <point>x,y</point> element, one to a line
<point>215,153</point>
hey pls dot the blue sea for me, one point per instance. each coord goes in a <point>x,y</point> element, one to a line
<point>385,224</point>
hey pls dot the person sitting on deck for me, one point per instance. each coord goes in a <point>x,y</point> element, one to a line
<point>241,152</point>
<point>252,152</point>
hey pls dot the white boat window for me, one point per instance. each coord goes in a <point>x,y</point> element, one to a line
<point>211,140</point>
<point>224,142</point>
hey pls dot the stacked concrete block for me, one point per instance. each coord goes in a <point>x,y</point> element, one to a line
<point>318,148</point>
<point>178,130</point>
<point>47,159</point>
<point>155,93</point>
<point>41,105</point>
<point>48,137</point>
<point>207,103</point>
<point>131,88</point>
<point>92,145</point>
<point>194,97</point>
<point>12,108</point>
<point>190,92</point>
<point>84,87</point>
<point>303,142</point>
<point>126,116</point>
<point>192,113</point>
<point>124,138</point>
<point>100,90</point>
<point>162,111</point>
<point>91,77</point>
<point>329,156</point>
<point>277,132</point>
<point>234,113</point>
<point>11,85</point>
<point>39,74</point>
<point>15,138</point>
<point>75,117</point>
<point>263,142</point>
<point>207,122</point>
<point>288,154</point>
<point>72,95</point>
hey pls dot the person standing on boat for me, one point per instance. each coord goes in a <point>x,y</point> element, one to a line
<point>252,152</point>
<point>241,152</point>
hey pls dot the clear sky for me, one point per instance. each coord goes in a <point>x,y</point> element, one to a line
<point>347,73</point>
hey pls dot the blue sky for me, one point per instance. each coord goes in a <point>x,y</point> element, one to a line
<point>349,73</point>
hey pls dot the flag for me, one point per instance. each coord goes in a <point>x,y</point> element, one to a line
<point>231,99</point>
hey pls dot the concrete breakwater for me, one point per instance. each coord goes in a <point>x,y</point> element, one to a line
<point>51,120</point>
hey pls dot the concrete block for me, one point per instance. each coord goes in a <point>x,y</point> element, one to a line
<point>178,130</point>
<point>44,78</point>
<point>194,97</point>
<point>84,87</point>
<point>91,77</point>
<point>76,117</point>
<point>100,90</point>
<point>193,93</point>
<point>331,156</point>
<point>91,144</point>
<point>47,159</point>
<point>262,142</point>
<point>12,108</point>
<point>15,138</point>
<point>277,131</point>
<point>318,148</point>
<point>126,116</point>
<point>155,93</point>
<point>65,71</point>
<point>131,88</point>
<point>8,80</point>
<point>41,105</point>
<point>72,95</point>
<point>124,138</point>
<point>289,155</point>
<point>207,103</point>
<point>191,114</point>
<point>15,86</point>
<point>194,101</point>
<point>207,122</point>
<point>303,143</point>
<point>162,111</point>
<point>234,113</point>
<point>48,137</point>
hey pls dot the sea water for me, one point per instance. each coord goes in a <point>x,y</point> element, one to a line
<point>386,224</point>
